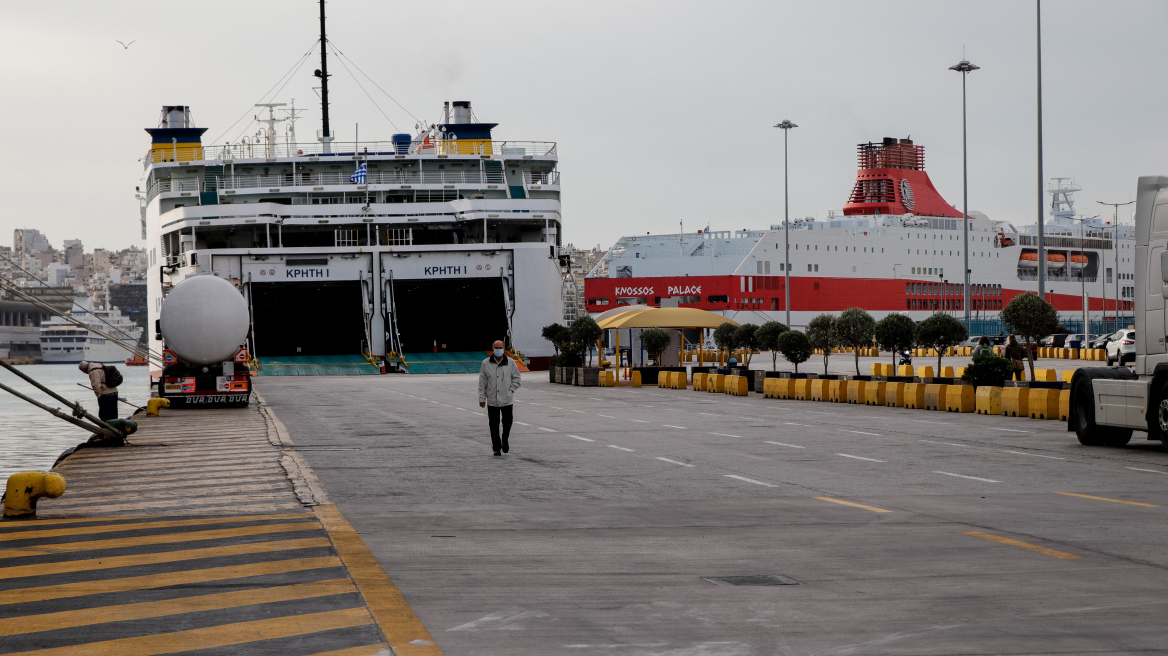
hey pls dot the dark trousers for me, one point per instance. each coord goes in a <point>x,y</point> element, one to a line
<point>107,407</point>
<point>1018,374</point>
<point>493,418</point>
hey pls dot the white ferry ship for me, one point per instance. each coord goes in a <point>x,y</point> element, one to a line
<point>436,242</point>
<point>895,247</point>
<point>64,342</point>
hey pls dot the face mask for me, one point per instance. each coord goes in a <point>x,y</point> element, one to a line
<point>498,353</point>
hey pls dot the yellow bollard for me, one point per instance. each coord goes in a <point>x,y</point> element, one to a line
<point>768,387</point>
<point>1044,374</point>
<point>741,386</point>
<point>636,379</point>
<point>1067,375</point>
<point>802,389</point>
<point>1064,404</point>
<point>958,372</point>
<point>925,372</point>
<point>783,388</point>
<point>935,396</point>
<point>988,400</point>
<point>716,383</point>
<point>1044,403</point>
<point>960,398</point>
<point>877,369</point>
<point>152,406</point>
<point>894,395</point>
<point>904,370</point>
<point>914,395</point>
<point>946,372</point>
<point>874,392</point>
<point>833,390</point>
<point>856,392</point>
<point>841,394</point>
<point>1016,401</point>
<point>819,389</point>
<point>699,382</point>
<point>24,489</point>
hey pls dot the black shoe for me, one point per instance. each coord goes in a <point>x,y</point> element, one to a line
<point>498,454</point>
<point>506,447</point>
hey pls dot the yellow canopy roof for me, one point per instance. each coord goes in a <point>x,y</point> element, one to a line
<point>651,317</point>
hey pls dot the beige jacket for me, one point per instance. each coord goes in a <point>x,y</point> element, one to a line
<point>497,383</point>
<point>97,378</point>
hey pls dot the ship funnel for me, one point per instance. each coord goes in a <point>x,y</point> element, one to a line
<point>461,112</point>
<point>175,116</point>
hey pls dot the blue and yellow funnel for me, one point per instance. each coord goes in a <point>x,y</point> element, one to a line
<point>174,140</point>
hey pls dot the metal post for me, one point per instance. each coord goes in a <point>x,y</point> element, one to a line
<point>964,67</point>
<point>1041,246</point>
<point>786,125</point>
<point>1114,247</point>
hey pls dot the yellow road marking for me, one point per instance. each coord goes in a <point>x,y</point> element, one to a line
<point>71,520</point>
<point>170,454</point>
<point>161,538</point>
<point>100,615</point>
<point>187,491</point>
<point>1130,503</point>
<point>98,478</point>
<point>1019,543</point>
<point>187,465</point>
<point>854,505</point>
<point>110,528</point>
<point>148,581</point>
<point>397,620</point>
<point>211,637</point>
<point>367,650</point>
<point>42,569</point>
<point>259,476</point>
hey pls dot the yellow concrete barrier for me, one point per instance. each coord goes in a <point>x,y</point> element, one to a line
<point>855,392</point>
<point>636,379</point>
<point>935,396</point>
<point>785,388</point>
<point>894,395</point>
<point>680,381</point>
<point>662,379</point>
<point>699,382</point>
<point>1066,375</point>
<point>833,391</point>
<point>819,389</point>
<point>1044,374</point>
<point>716,383</point>
<point>1064,404</point>
<point>739,386</point>
<point>802,388</point>
<point>914,395</point>
<point>24,489</point>
<point>958,372</point>
<point>988,400</point>
<point>1075,354</point>
<point>925,372</point>
<point>604,381</point>
<point>1016,401</point>
<point>874,392</point>
<point>152,406</point>
<point>946,372</point>
<point>1044,403</point>
<point>904,370</point>
<point>960,398</point>
<point>877,369</point>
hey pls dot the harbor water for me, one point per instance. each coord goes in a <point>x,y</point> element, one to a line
<point>30,438</point>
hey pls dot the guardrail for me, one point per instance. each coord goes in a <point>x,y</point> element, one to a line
<point>245,151</point>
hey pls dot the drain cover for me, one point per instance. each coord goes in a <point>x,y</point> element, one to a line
<point>753,579</point>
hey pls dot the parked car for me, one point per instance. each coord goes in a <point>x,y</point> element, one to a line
<point>1057,340</point>
<point>1122,349</point>
<point>1102,340</point>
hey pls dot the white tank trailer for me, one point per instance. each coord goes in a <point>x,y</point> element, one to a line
<point>203,326</point>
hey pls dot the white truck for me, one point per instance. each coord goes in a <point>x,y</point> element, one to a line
<point>1107,404</point>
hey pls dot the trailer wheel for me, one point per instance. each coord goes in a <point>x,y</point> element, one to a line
<point>1088,432</point>
<point>1158,425</point>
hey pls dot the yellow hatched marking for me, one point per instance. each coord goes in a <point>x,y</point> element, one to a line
<point>96,476</point>
<point>170,454</point>
<point>227,498</point>
<point>73,520</point>
<point>367,650</point>
<point>1130,503</point>
<point>261,474</point>
<point>163,538</point>
<point>110,528</point>
<point>852,504</point>
<point>188,466</point>
<point>397,620</point>
<point>85,617</point>
<point>1018,543</point>
<point>42,569</point>
<point>148,581</point>
<point>187,490</point>
<point>211,637</point>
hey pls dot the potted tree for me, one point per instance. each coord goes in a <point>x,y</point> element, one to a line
<point>854,328</point>
<point>795,347</point>
<point>555,333</point>
<point>585,333</point>
<point>895,333</point>
<point>940,332</point>
<point>1030,316</point>
<point>821,335</point>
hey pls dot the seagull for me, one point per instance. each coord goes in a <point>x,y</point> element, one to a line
<point>127,45</point>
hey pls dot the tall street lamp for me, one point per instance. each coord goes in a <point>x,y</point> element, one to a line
<point>1083,275</point>
<point>785,126</point>
<point>965,68</point>
<point>1115,247</point>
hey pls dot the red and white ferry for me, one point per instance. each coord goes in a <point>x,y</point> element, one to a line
<point>895,247</point>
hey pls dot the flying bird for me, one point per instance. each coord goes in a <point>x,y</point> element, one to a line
<point>127,45</point>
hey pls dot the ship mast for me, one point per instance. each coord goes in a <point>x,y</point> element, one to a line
<point>322,72</point>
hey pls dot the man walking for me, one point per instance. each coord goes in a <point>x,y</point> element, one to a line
<point>498,380</point>
<point>107,396</point>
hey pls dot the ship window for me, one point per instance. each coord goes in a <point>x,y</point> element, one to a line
<point>817,268</point>
<point>808,267</point>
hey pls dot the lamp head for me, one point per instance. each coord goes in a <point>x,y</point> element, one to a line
<point>786,125</point>
<point>964,66</point>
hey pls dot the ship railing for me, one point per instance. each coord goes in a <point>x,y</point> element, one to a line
<point>1066,242</point>
<point>348,150</point>
<point>408,177</point>
<point>541,177</point>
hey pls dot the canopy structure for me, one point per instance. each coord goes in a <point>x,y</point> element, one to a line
<point>651,317</point>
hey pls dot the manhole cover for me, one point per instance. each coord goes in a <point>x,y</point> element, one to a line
<point>753,579</point>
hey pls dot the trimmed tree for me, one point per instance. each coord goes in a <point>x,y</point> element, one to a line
<point>556,334</point>
<point>988,369</point>
<point>724,336</point>
<point>821,334</point>
<point>795,347</point>
<point>895,333</point>
<point>767,338</point>
<point>585,332</point>
<point>940,331</point>
<point>854,328</point>
<point>746,339</point>
<point>655,341</point>
<point>1030,316</point>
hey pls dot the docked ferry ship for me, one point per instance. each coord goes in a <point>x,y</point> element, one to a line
<point>66,342</point>
<point>895,247</point>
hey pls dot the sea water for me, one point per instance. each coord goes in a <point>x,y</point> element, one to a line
<point>30,438</point>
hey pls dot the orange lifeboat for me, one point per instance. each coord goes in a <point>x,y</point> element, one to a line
<point>136,361</point>
<point>1029,260</point>
<point>1078,262</point>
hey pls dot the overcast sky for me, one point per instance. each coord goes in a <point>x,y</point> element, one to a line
<point>662,110</point>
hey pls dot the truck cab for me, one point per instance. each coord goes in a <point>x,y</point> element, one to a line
<point>1108,404</point>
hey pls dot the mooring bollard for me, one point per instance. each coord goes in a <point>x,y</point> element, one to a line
<point>25,488</point>
<point>152,406</point>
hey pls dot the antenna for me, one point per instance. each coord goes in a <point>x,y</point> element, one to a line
<point>322,73</point>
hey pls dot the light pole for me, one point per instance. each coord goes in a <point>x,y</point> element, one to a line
<point>965,68</point>
<point>785,126</point>
<point>1083,274</point>
<point>1115,247</point>
<point>1041,196</point>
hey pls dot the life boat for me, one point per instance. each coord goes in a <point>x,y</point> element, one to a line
<point>136,361</point>
<point>1078,262</point>
<point>1056,261</point>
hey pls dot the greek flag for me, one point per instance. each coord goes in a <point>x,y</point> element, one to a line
<point>358,175</point>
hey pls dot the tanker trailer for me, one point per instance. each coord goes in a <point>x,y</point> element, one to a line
<point>204,325</point>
